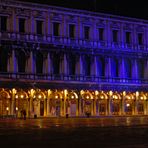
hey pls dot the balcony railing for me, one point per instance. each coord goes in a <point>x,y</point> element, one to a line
<point>77,78</point>
<point>74,42</point>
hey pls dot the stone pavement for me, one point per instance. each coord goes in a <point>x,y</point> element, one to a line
<point>104,132</point>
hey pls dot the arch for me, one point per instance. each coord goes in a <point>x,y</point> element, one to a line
<point>40,95</point>
<point>129,96</point>
<point>87,95</point>
<point>4,94</point>
<point>116,96</point>
<point>142,96</point>
<point>57,95</point>
<point>21,94</point>
<point>102,95</point>
<point>72,95</point>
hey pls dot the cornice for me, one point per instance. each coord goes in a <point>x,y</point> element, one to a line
<point>70,11</point>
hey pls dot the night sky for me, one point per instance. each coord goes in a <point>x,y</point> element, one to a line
<point>131,8</point>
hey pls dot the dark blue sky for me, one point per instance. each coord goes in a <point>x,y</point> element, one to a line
<point>132,8</point>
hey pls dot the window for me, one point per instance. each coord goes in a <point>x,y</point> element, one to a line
<point>115,35</point>
<point>56,29</point>
<point>39,25</point>
<point>101,34</point>
<point>3,23</point>
<point>21,25</point>
<point>72,31</point>
<point>128,37</point>
<point>86,32</point>
<point>140,38</point>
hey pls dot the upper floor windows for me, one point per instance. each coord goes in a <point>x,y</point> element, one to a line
<point>86,32</point>
<point>128,37</point>
<point>56,29</point>
<point>39,27</point>
<point>22,25</point>
<point>101,34</point>
<point>3,23</point>
<point>140,38</point>
<point>115,35</point>
<point>71,31</point>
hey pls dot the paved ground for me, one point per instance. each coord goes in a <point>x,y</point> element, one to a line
<point>105,132</point>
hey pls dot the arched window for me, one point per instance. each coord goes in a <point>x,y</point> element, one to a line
<point>87,66</point>
<point>72,64</point>
<point>141,68</point>
<point>39,63</point>
<point>21,61</point>
<point>128,68</point>
<point>101,64</point>
<point>56,64</point>
<point>3,60</point>
<point>115,68</point>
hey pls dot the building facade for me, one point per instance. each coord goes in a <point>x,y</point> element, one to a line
<point>56,61</point>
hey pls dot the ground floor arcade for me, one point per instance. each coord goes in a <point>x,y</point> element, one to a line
<point>58,103</point>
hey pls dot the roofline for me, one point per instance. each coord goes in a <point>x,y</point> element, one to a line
<point>61,8</point>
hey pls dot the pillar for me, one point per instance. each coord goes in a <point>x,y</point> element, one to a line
<point>47,64</point>
<point>45,107</point>
<point>108,67</point>
<point>122,68</point>
<point>79,66</point>
<point>77,107</point>
<point>146,70</point>
<point>12,63</point>
<point>110,105</point>
<point>31,63</point>
<point>134,69</point>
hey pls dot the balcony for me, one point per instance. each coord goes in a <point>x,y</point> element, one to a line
<point>69,78</point>
<point>71,42</point>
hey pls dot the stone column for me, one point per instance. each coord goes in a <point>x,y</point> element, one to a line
<point>45,107</point>
<point>94,68</point>
<point>95,113</point>
<point>108,67</point>
<point>110,105</point>
<point>77,107</point>
<point>134,69</point>
<point>31,63</point>
<point>123,105</point>
<point>12,62</point>
<point>122,68</point>
<point>146,70</point>
<point>12,109</point>
<point>63,66</point>
<point>108,33</point>
<point>79,67</point>
<point>122,35</point>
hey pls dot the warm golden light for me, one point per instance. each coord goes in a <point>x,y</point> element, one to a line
<point>22,96</point>
<point>16,108</point>
<point>127,104</point>
<point>7,108</point>
<point>102,97</point>
<point>87,97</point>
<point>39,96</point>
<point>110,93</point>
<point>96,92</point>
<point>72,97</point>
<point>56,96</point>
<point>137,93</point>
<point>16,96</point>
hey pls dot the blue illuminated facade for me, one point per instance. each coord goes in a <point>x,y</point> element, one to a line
<point>56,61</point>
